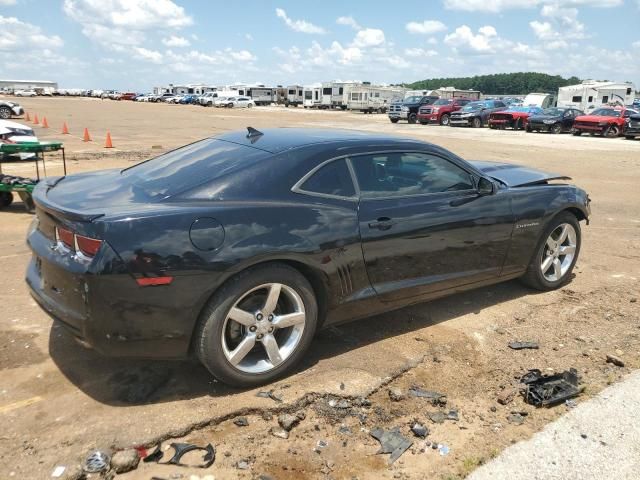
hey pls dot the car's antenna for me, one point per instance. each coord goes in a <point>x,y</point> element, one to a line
<point>252,132</point>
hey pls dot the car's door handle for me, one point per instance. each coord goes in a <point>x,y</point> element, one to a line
<point>382,223</point>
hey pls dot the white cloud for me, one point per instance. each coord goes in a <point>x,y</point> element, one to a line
<point>248,36</point>
<point>18,35</point>
<point>636,44</point>
<point>241,55</point>
<point>350,22</point>
<point>496,6</point>
<point>7,3</point>
<point>542,30</point>
<point>299,25</point>
<point>369,37</point>
<point>464,40</point>
<point>148,55</point>
<point>137,14</point>
<point>432,41</point>
<point>426,27</point>
<point>419,52</point>
<point>175,41</point>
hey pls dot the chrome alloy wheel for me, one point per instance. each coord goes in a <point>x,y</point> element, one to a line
<point>559,252</point>
<point>263,328</point>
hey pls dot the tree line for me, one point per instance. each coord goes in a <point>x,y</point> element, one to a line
<point>519,83</point>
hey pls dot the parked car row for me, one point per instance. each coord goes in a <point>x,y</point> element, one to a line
<point>609,121</point>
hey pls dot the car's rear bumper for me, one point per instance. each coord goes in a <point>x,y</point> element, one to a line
<point>108,312</point>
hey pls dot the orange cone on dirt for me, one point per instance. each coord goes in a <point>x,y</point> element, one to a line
<point>44,122</point>
<point>108,143</point>
<point>35,119</point>
<point>65,129</point>
<point>28,118</point>
<point>86,137</point>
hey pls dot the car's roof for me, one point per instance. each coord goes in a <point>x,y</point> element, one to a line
<point>275,140</point>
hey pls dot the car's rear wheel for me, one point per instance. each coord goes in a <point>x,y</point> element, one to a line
<point>476,123</point>
<point>258,326</point>
<point>556,128</point>
<point>249,105</point>
<point>518,124</point>
<point>444,119</point>
<point>611,131</point>
<point>5,113</point>
<point>394,120</point>
<point>556,254</point>
<point>413,118</point>
<point>576,133</point>
<point>6,199</point>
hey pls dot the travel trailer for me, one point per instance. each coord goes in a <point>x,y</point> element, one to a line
<point>295,95</point>
<point>312,96</point>
<point>542,100</point>
<point>591,94</point>
<point>369,99</point>
<point>336,94</point>
<point>261,95</point>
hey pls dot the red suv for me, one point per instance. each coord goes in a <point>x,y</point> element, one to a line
<point>441,110</point>
<point>607,121</point>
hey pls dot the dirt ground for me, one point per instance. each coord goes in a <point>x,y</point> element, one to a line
<point>59,401</point>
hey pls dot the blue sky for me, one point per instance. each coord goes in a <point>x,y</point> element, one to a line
<point>137,44</point>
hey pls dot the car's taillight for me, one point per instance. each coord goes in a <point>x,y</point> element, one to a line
<point>85,245</point>
<point>66,237</point>
<point>88,246</point>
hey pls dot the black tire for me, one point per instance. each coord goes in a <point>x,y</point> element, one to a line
<point>533,276</point>
<point>413,118</point>
<point>249,105</point>
<point>518,124</point>
<point>6,199</point>
<point>476,122</point>
<point>630,137</point>
<point>528,128</point>
<point>556,128</point>
<point>422,122</point>
<point>612,131</point>
<point>5,113</point>
<point>576,133</point>
<point>444,119</point>
<point>394,120</point>
<point>207,338</point>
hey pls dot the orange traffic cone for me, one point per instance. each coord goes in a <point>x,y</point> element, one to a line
<point>65,129</point>
<point>44,122</point>
<point>86,137</point>
<point>28,119</point>
<point>108,143</point>
<point>35,119</point>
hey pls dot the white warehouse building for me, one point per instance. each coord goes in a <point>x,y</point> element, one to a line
<point>27,84</point>
<point>592,94</point>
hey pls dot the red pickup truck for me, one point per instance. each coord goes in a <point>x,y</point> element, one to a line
<point>441,110</point>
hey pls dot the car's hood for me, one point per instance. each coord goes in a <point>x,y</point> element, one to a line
<point>595,118</point>
<point>545,117</point>
<point>515,175</point>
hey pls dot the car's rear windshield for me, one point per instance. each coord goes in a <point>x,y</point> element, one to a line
<point>181,170</point>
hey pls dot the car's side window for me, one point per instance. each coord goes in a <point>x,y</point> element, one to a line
<point>400,174</point>
<point>333,178</point>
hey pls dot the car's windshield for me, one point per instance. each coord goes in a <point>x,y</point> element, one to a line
<point>470,107</point>
<point>413,99</point>
<point>181,170</point>
<point>554,111</point>
<point>606,112</point>
<point>442,101</point>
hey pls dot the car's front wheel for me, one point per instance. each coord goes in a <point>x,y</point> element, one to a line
<point>5,113</point>
<point>258,326</point>
<point>611,131</point>
<point>476,122</point>
<point>556,128</point>
<point>556,254</point>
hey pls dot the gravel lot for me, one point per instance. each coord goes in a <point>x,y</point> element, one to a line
<point>58,401</point>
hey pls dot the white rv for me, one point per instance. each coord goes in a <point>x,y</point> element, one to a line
<point>312,96</point>
<point>542,100</point>
<point>421,93</point>
<point>295,95</point>
<point>369,99</point>
<point>591,94</point>
<point>261,95</point>
<point>336,94</point>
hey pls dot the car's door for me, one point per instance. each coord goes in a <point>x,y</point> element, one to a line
<point>567,119</point>
<point>424,227</point>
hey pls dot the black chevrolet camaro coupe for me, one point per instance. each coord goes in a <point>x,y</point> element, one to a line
<point>238,248</point>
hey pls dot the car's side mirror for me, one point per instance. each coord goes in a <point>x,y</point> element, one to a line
<point>486,187</point>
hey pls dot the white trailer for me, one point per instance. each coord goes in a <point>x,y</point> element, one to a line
<point>295,95</point>
<point>336,94</point>
<point>261,95</point>
<point>312,96</point>
<point>370,99</point>
<point>542,100</point>
<point>421,93</point>
<point>591,94</point>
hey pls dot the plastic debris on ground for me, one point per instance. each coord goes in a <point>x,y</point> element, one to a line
<point>524,345</point>
<point>391,442</point>
<point>97,462</point>
<point>435,397</point>
<point>443,449</point>
<point>58,471</point>
<point>548,390</point>
<point>179,450</point>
